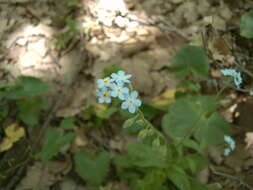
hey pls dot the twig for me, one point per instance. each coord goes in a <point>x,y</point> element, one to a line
<point>236,178</point>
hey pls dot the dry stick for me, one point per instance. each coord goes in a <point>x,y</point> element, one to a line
<point>231,177</point>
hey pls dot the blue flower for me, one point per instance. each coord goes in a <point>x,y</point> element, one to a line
<point>233,73</point>
<point>103,96</point>
<point>231,145</point>
<point>121,77</point>
<point>119,91</point>
<point>131,102</point>
<point>102,83</point>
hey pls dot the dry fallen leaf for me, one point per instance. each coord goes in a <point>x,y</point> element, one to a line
<point>165,98</point>
<point>13,133</point>
<point>249,140</point>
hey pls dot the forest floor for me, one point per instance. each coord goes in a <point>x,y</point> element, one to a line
<point>70,43</point>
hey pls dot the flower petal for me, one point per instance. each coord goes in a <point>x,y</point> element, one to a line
<point>134,94</point>
<point>131,108</point>
<point>137,103</point>
<point>124,105</point>
<point>100,100</point>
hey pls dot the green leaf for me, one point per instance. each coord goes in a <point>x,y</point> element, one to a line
<point>111,69</point>
<point>196,185</point>
<point>179,178</point>
<point>144,155</point>
<point>68,123</point>
<point>131,122</point>
<point>92,168</point>
<point>190,60</point>
<point>213,131</point>
<point>88,113</point>
<point>107,113</point>
<point>149,111</point>
<point>194,162</point>
<point>246,25</point>
<point>187,114</point>
<point>54,141</point>
<point>24,87</point>
<point>29,110</point>
<point>193,145</point>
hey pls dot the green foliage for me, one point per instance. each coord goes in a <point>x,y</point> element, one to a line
<point>187,113</point>
<point>29,110</point>
<point>24,87</point>
<point>190,60</point>
<point>54,141</point>
<point>93,168</point>
<point>64,38</point>
<point>114,68</point>
<point>143,155</point>
<point>67,123</point>
<point>246,25</point>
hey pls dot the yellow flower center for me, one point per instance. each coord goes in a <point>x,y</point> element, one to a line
<point>106,81</point>
<point>105,95</point>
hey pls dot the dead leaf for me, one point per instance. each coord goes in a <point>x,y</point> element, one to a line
<point>249,140</point>
<point>165,98</point>
<point>13,133</point>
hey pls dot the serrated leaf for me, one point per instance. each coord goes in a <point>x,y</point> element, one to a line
<point>92,168</point>
<point>179,178</point>
<point>67,123</point>
<point>187,114</point>
<point>24,87</point>
<point>190,60</point>
<point>246,25</point>
<point>213,131</point>
<point>54,141</point>
<point>143,155</point>
<point>29,110</point>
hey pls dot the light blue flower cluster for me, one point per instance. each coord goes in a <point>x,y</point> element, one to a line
<point>114,87</point>
<point>231,145</point>
<point>233,73</point>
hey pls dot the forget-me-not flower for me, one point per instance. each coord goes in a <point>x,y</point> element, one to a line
<point>231,145</point>
<point>233,73</point>
<point>102,83</point>
<point>131,102</point>
<point>103,96</point>
<point>118,90</point>
<point>121,77</point>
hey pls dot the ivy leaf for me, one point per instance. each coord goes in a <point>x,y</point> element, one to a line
<point>143,155</point>
<point>29,110</point>
<point>54,141</point>
<point>246,25</point>
<point>187,114</point>
<point>179,178</point>
<point>92,168</point>
<point>212,133</point>
<point>24,87</point>
<point>190,60</point>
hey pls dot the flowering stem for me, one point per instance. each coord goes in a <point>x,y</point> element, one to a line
<point>149,125</point>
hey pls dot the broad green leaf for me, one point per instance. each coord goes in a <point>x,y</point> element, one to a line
<point>194,162</point>
<point>88,113</point>
<point>213,131</point>
<point>29,110</point>
<point>144,155</point>
<point>190,60</point>
<point>54,141</point>
<point>107,113</point>
<point>179,178</point>
<point>149,111</point>
<point>67,123</point>
<point>246,25</point>
<point>24,87</point>
<point>92,168</point>
<point>187,114</point>
<point>155,179</point>
<point>193,145</point>
<point>196,185</point>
